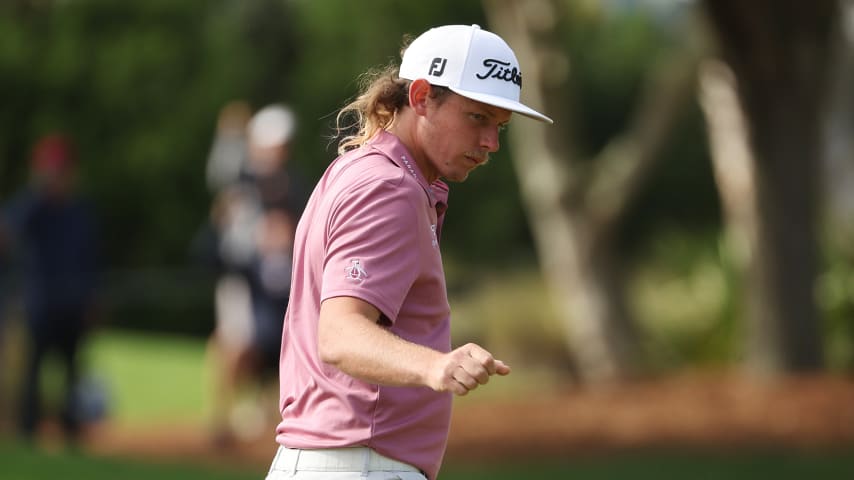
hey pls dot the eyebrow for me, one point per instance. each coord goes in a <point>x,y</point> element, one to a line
<point>488,110</point>
<point>493,116</point>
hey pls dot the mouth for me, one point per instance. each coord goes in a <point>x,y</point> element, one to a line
<point>477,160</point>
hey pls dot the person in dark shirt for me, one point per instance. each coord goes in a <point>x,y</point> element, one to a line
<point>53,231</point>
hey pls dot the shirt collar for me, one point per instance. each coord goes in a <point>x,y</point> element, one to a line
<point>390,146</point>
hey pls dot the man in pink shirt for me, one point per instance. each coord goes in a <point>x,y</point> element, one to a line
<point>367,371</point>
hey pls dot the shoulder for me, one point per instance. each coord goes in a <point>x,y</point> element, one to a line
<point>370,171</point>
<point>368,163</point>
<point>373,193</point>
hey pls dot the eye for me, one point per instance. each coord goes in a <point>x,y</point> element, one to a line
<point>477,117</point>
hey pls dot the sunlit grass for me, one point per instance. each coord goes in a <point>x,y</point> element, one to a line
<point>151,378</point>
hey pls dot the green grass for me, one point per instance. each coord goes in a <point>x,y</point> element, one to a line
<point>21,463</point>
<point>151,378</point>
<point>18,462</point>
<point>25,464</point>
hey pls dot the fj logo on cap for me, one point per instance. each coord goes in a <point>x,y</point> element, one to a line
<point>500,70</point>
<point>437,66</point>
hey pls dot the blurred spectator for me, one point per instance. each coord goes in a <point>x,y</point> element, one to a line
<point>228,155</point>
<point>282,194</point>
<point>232,218</point>
<point>53,231</point>
<point>257,201</point>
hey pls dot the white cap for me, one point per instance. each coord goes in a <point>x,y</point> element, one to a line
<point>471,62</point>
<point>272,126</point>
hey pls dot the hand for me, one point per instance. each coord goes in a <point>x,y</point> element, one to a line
<point>463,369</point>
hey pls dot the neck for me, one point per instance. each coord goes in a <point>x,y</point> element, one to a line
<point>404,129</point>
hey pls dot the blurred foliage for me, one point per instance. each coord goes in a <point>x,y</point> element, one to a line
<point>835,293</point>
<point>139,84</point>
<point>685,301</point>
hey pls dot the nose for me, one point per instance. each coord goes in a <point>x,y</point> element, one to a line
<point>489,139</point>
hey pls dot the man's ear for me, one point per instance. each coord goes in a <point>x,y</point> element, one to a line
<point>419,93</point>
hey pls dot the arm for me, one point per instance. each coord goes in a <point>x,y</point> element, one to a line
<point>350,339</point>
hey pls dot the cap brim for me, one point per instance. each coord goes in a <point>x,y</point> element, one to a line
<point>504,103</point>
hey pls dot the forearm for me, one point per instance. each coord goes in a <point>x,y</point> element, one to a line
<point>350,339</point>
<point>354,343</point>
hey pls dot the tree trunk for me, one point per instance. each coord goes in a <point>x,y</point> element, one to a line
<point>573,215</point>
<point>732,164</point>
<point>778,51</point>
<point>732,160</point>
<point>838,174</point>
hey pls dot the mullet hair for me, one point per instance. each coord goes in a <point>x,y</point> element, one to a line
<point>382,93</point>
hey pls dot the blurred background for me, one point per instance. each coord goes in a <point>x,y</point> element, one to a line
<point>669,267</point>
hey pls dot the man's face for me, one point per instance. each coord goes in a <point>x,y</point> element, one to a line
<point>56,181</point>
<point>459,134</point>
<point>266,160</point>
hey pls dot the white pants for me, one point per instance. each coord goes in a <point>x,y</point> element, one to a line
<point>356,463</point>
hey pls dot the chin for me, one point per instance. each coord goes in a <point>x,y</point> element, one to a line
<point>458,178</point>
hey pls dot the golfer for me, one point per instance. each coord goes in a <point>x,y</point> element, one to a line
<point>367,371</point>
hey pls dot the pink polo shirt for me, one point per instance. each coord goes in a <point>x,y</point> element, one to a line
<point>371,231</point>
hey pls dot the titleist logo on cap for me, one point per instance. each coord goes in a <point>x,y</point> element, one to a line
<point>471,62</point>
<point>498,69</point>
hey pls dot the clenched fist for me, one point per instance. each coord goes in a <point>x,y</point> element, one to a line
<point>463,369</point>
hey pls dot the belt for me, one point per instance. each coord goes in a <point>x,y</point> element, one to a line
<point>349,459</point>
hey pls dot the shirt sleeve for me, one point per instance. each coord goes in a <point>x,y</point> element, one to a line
<point>371,250</point>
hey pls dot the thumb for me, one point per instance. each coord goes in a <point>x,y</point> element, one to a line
<point>502,368</point>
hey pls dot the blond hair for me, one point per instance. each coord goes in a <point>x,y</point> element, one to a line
<point>382,95</point>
